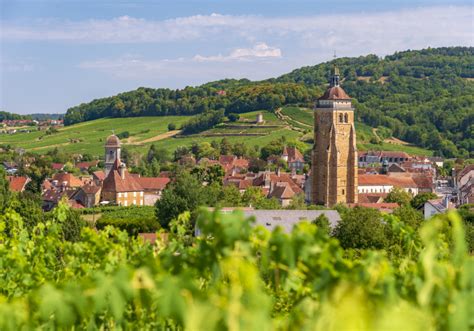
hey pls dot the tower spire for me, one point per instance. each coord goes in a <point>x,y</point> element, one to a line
<point>334,72</point>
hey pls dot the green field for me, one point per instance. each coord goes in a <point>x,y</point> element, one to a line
<point>92,134</point>
<point>89,137</point>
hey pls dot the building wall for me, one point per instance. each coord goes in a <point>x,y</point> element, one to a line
<point>124,198</point>
<point>334,165</point>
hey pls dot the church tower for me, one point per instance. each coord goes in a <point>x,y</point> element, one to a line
<point>334,157</point>
<point>112,153</point>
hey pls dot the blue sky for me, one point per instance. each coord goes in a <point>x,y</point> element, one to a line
<point>58,53</point>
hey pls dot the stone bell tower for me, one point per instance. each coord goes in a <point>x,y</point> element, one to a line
<point>112,153</point>
<point>334,158</point>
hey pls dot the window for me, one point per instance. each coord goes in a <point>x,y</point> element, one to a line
<point>134,202</point>
<point>343,192</point>
<point>346,118</point>
<point>125,195</point>
<point>134,194</point>
<point>125,203</point>
<point>340,118</point>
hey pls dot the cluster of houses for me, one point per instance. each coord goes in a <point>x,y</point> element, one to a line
<point>378,174</point>
<point>23,126</point>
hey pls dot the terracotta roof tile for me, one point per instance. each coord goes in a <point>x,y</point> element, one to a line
<point>334,93</point>
<point>153,183</point>
<point>17,184</point>
<point>69,179</point>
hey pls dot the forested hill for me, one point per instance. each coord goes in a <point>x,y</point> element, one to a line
<point>425,97</point>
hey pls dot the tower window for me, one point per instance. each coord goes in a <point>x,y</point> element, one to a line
<point>343,192</point>
<point>346,118</point>
<point>340,118</point>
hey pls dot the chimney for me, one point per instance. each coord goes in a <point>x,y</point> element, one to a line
<point>122,171</point>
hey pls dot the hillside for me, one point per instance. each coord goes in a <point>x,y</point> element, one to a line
<point>293,123</point>
<point>424,97</point>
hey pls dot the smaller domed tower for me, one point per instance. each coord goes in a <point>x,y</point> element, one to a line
<point>112,153</point>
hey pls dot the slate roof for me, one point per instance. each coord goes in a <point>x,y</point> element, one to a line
<point>286,219</point>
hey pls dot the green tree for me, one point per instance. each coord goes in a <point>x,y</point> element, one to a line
<point>297,202</point>
<point>361,228</point>
<point>4,190</point>
<point>322,222</point>
<point>231,196</point>
<point>409,215</point>
<point>420,199</point>
<point>398,195</point>
<point>186,194</point>
<point>171,126</point>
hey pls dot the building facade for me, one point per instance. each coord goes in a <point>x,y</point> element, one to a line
<point>334,166</point>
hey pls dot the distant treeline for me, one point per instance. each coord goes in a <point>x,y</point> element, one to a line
<point>425,97</point>
<point>44,117</point>
<point>10,116</point>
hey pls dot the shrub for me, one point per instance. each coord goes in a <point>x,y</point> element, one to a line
<point>171,127</point>
<point>233,117</point>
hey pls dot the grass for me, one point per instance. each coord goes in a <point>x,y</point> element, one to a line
<point>268,117</point>
<point>92,134</point>
<point>302,115</point>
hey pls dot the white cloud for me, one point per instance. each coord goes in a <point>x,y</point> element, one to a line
<point>410,28</point>
<point>135,66</point>
<point>258,51</point>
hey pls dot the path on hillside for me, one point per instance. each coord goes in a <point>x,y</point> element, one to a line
<point>285,119</point>
<point>391,140</point>
<point>155,138</point>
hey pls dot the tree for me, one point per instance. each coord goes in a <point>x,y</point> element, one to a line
<point>409,216</point>
<point>419,200</point>
<point>252,196</point>
<point>233,117</point>
<point>397,195</point>
<point>69,220</point>
<point>322,222</point>
<point>186,194</point>
<point>4,190</point>
<point>361,228</point>
<point>297,202</point>
<point>231,196</point>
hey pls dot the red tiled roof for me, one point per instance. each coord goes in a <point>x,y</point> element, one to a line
<point>377,180</point>
<point>153,183</point>
<point>383,206</point>
<point>17,184</point>
<point>371,197</point>
<point>226,159</point>
<point>90,188</point>
<point>334,93</point>
<point>112,141</point>
<point>241,163</point>
<point>57,166</point>
<point>70,179</point>
<point>282,191</point>
<point>293,154</point>
<point>114,183</point>
<point>86,165</point>
<point>99,174</point>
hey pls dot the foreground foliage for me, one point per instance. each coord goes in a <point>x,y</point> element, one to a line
<point>233,277</point>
